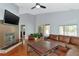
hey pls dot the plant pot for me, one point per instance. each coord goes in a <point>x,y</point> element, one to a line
<point>36,38</point>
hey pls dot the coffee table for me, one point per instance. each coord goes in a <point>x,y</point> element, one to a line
<point>42,48</point>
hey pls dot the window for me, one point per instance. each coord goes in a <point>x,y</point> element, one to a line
<point>44,29</point>
<point>47,29</point>
<point>70,30</point>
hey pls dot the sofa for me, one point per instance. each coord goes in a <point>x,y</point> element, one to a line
<point>71,42</point>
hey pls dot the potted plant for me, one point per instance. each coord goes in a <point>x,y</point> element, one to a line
<point>36,35</point>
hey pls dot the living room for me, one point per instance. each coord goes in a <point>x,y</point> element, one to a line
<point>57,22</point>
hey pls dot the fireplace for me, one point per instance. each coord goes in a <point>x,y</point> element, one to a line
<point>9,40</point>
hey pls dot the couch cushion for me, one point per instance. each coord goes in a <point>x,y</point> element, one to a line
<point>63,38</point>
<point>74,40</point>
<point>61,48</point>
<point>30,37</point>
<point>60,53</point>
<point>53,37</point>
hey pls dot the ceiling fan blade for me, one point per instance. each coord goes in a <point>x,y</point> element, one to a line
<point>33,7</point>
<point>42,6</point>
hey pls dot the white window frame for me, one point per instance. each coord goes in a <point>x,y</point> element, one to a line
<point>44,31</point>
<point>69,25</point>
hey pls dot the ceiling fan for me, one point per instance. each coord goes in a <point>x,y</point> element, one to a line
<point>38,5</point>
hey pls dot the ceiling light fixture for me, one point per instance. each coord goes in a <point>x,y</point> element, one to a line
<point>37,6</point>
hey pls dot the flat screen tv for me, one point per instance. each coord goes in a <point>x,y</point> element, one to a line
<point>11,18</point>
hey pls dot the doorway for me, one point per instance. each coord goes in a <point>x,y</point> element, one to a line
<point>22,32</point>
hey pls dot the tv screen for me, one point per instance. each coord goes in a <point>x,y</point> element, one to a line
<point>11,18</point>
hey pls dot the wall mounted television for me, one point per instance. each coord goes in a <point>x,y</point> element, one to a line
<point>10,18</point>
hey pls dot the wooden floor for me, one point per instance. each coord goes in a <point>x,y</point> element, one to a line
<point>18,51</point>
<point>21,50</point>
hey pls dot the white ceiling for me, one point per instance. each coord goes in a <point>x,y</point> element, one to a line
<point>51,7</point>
